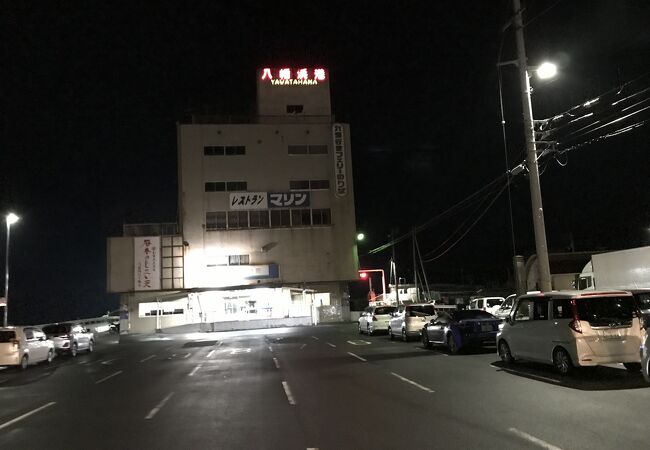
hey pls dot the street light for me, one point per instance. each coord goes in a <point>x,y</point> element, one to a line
<point>361,236</point>
<point>546,70</point>
<point>541,248</point>
<point>11,219</point>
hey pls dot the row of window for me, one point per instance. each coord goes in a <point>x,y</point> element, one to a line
<point>274,218</point>
<point>237,186</point>
<point>237,150</point>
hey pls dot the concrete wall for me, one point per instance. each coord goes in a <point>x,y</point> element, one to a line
<point>120,264</point>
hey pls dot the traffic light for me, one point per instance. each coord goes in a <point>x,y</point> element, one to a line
<point>363,275</point>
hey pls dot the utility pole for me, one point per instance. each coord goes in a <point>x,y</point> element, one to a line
<point>531,156</point>
<point>394,266</point>
<point>415,270</point>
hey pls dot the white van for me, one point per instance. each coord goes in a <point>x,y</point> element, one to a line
<point>21,346</point>
<point>409,320</point>
<point>487,304</point>
<point>573,328</point>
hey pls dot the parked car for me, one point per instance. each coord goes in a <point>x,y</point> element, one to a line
<point>645,351</point>
<point>487,304</point>
<point>21,346</point>
<point>505,308</point>
<point>460,329</point>
<point>409,319</point>
<point>573,328</point>
<point>70,338</point>
<point>375,318</point>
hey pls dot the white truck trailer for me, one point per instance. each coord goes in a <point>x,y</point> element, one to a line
<point>625,269</point>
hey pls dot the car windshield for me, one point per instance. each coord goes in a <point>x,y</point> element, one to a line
<point>606,311</point>
<point>56,329</point>
<point>7,336</point>
<point>421,310</point>
<point>643,300</point>
<point>494,301</point>
<point>470,314</point>
<point>384,310</point>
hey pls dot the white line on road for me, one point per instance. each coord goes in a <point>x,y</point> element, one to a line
<point>187,355</point>
<point>287,391</point>
<point>158,407</point>
<point>220,344</point>
<point>191,374</point>
<point>424,388</point>
<point>331,345</point>
<point>26,415</point>
<point>108,362</point>
<point>533,439</point>
<point>147,358</point>
<point>209,354</point>
<point>277,363</point>
<point>315,338</point>
<point>303,346</point>
<point>525,374</point>
<point>357,356</point>
<point>270,349</point>
<point>109,377</point>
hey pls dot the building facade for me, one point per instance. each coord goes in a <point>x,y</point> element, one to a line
<point>266,231</point>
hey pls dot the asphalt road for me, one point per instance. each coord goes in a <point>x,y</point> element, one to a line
<point>322,387</point>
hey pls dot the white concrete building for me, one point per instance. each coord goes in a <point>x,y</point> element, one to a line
<point>266,232</point>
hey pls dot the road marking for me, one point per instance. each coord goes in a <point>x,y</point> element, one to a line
<point>315,338</point>
<point>533,439</point>
<point>270,349</point>
<point>277,364</point>
<point>303,346</point>
<point>26,415</point>
<point>158,407</point>
<point>236,351</point>
<point>359,342</point>
<point>187,356</point>
<point>424,388</point>
<point>83,362</point>
<point>191,374</point>
<point>357,356</point>
<point>209,354</point>
<point>108,362</point>
<point>525,374</point>
<point>287,391</point>
<point>220,344</point>
<point>331,345</point>
<point>147,358</point>
<point>109,377</point>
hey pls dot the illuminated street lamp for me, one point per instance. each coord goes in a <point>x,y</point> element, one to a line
<point>11,218</point>
<point>546,70</point>
<point>361,237</point>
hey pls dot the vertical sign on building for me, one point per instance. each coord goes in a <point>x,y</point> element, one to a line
<point>146,254</point>
<point>340,178</point>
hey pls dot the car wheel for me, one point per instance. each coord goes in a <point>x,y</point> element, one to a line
<point>562,361</point>
<point>633,367</point>
<point>50,356</point>
<point>451,344</point>
<point>504,353</point>
<point>425,340</point>
<point>405,337</point>
<point>390,334</point>
<point>74,349</point>
<point>91,346</point>
<point>369,330</point>
<point>24,362</point>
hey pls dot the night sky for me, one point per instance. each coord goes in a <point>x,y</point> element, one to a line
<point>91,93</point>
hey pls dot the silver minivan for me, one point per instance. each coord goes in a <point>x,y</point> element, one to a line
<point>409,320</point>
<point>573,328</point>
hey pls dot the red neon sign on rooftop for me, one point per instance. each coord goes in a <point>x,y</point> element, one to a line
<point>287,76</point>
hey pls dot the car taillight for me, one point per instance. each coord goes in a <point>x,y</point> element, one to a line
<point>16,343</point>
<point>575,326</point>
<point>374,319</point>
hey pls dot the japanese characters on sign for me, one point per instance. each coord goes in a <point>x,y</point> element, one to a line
<point>146,254</point>
<point>295,199</point>
<point>248,200</point>
<point>340,178</point>
<point>287,76</point>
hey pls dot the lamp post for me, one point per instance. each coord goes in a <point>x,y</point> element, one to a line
<point>383,279</point>
<point>11,218</point>
<point>543,266</point>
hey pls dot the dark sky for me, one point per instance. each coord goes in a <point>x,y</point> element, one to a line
<point>91,92</point>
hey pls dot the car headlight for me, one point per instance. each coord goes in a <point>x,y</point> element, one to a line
<point>501,325</point>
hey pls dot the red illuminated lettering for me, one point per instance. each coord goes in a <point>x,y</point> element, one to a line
<point>285,74</point>
<point>302,74</point>
<point>266,74</point>
<point>319,74</point>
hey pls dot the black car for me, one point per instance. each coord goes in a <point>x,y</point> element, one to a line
<point>460,329</point>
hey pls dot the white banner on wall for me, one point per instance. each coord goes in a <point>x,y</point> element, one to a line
<point>146,255</point>
<point>248,200</point>
<point>340,178</point>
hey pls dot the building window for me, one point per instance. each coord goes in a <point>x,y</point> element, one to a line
<point>259,219</point>
<point>299,185</point>
<point>280,218</point>
<point>321,216</point>
<point>319,184</point>
<point>237,219</point>
<point>212,150</point>
<point>238,260</point>
<point>300,217</point>
<point>215,186</point>
<point>236,186</point>
<point>235,150</point>
<point>307,149</point>
<point>215,220</point>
